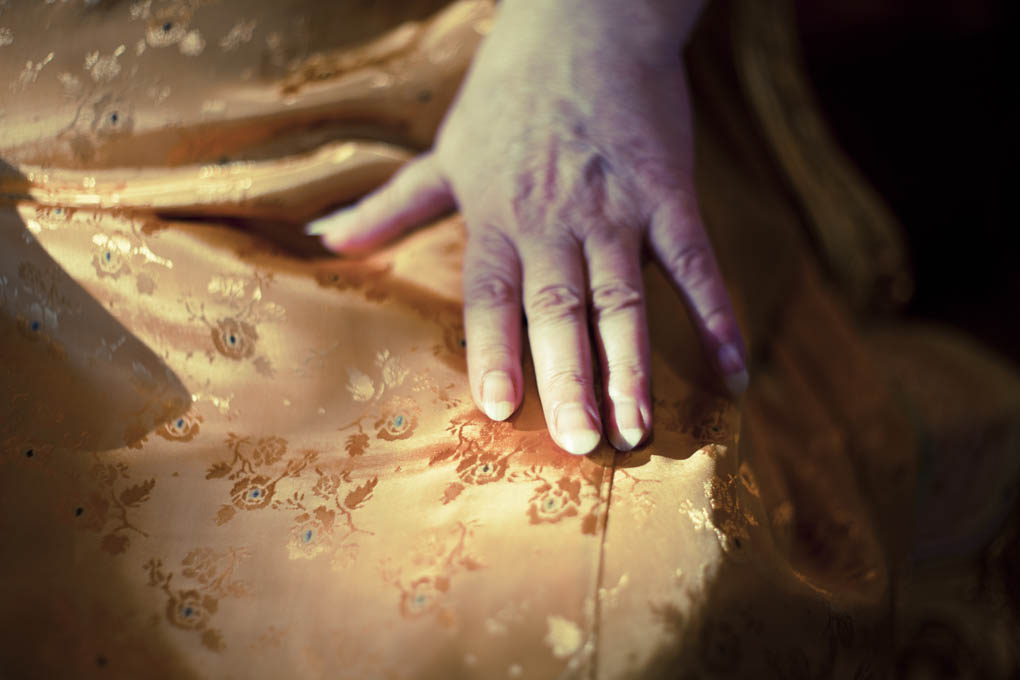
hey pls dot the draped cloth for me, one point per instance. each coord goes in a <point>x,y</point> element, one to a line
<point>226,454</point>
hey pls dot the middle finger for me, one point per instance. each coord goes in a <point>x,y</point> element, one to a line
<point>555,303</point>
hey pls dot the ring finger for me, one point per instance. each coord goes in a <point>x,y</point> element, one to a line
<point>618,315</point>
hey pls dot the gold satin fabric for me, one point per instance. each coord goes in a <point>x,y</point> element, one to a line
<point>224,459</point>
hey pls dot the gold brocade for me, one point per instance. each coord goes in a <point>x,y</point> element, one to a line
<point>222,459</point>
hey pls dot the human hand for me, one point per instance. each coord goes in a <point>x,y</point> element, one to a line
<point>568,148</point>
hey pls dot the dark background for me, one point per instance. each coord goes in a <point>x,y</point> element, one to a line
<point>917,92</point>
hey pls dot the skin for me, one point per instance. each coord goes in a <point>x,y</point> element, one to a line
<point>568,150</point>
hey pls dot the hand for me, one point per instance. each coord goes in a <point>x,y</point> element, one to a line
<point>569,147</point>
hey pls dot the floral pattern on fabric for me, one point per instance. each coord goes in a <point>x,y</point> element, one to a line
<point>183,428</point>
<point>255,483</point>
<point>193,608</point>
<point>321,498</point>
<point>435,562</point>
<point>330,526</point>
<point>234,339</point>
<point>242,306</point>
<point>108,507</point>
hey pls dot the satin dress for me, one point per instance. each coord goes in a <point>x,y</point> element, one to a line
<point>227,454</point>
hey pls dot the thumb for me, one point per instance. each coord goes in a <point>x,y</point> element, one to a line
<point>417,192</point>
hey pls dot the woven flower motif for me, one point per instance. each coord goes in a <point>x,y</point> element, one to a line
<point>252,493</point>
<point>268,450</point>
<point>398,419</point>
<point>553,502</point>
<point>200,564</point>
<point>183,428</point>
<point>482,469</point>
<point>190,610</point>
<point>423,596</point>
<point>310,536</point>
<point>111,255</point>
<point>234,339</point>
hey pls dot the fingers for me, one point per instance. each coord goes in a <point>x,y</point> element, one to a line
<point>618,316</point>
<point>679,241</point>
<point>492,323</point>
<point>417,192</point>
<point>555,303</point>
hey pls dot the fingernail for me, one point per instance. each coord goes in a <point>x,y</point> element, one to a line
<point>327,225</point>
<point>629,423</point>
<point>578,434</point>
<point>497,395</point>
<point>317,227</point>
<point>731,363</point>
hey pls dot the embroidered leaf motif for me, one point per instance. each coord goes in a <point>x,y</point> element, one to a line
<point>324,516</point>
<point>218,470</point>
<point>137,494</point>
<point>471,564</point>
<point>452,492</point>
<point>238,589</point>
<point>356,444</point>
<point>442,455</point>
<point>225,514</point>
<point>359,385</point>
<point>263,367</point>
<point>155,569</point>
<point>212,639</point>
<point>572,487</point>
<point>360,494</point>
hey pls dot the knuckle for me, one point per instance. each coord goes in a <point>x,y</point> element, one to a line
<point>614,297</point>
<point>718,320</point>
<point>492,351</point>
<point>490,291</point>
<point>692,265</point>
<point>567,379</point>
<point>626,375</point>
<point>626,369</point>
<point>557,302</point>
<point>488,244</point>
